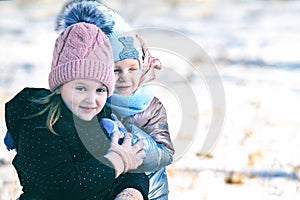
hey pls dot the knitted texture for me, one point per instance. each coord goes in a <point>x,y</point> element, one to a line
<point>129,194</point>
<point>82,51</point>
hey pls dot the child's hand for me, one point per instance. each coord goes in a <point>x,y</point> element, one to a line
<point>119,124</point>
<point>9,142</point>
<point>125,156</point>
<point>109,125</point>
<point>114,125</point>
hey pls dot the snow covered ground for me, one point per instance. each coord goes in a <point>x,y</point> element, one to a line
<point>254,45</point>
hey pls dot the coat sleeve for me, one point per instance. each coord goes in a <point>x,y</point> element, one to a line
<point>157,155</point>
<point>154,129</point>
<point>153,120</point>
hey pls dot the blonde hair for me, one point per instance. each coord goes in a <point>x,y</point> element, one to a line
<point>54,102</point>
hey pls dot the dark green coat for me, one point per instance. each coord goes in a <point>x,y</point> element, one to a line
<point>65,166</point>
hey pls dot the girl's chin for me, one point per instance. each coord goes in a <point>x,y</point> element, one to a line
<point>123,93</point>
<point>86,117</point>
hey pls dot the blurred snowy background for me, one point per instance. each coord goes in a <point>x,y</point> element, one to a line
<point>255,46</point>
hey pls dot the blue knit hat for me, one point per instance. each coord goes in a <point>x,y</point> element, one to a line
<point>122,37</point>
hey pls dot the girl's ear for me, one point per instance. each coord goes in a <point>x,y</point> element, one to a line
<point>58,90</point>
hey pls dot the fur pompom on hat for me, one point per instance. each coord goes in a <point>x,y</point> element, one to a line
<point>82,50</point>
<point>89,11</point>
<point>124,42</point>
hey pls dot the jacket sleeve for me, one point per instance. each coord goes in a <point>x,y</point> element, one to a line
<point>153,120</point>
<point>157,155</point>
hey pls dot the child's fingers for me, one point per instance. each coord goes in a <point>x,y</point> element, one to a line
<point>115,137</point>
<point>127,139</point>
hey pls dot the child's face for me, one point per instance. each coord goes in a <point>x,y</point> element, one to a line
<point>84,97</point>
<point>127,73</point>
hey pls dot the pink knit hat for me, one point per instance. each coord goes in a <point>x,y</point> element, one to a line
<point>82,51</point>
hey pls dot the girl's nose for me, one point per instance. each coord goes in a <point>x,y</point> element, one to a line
<point>90,97</point>
<point>123,76</point>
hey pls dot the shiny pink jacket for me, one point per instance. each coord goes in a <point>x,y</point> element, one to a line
<point>153,120</point>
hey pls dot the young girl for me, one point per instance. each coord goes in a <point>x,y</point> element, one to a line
<point>62,152</point>
<point>141,112</point>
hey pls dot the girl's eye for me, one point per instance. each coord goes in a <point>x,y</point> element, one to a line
<point>81,89</point>
<point>101,90</point>
<point>133,69</point>
<point>117,70</point>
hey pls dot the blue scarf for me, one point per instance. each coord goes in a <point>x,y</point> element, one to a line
<point>129,105</point>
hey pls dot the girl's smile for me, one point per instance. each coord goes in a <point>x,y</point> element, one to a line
<point>84,97</point>
<point>127,73</point>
